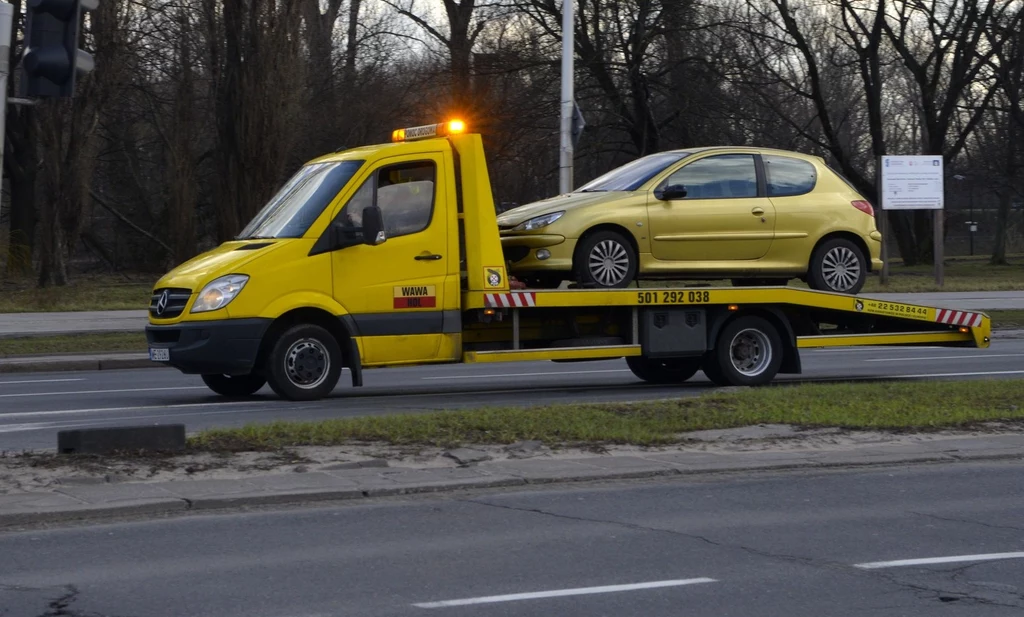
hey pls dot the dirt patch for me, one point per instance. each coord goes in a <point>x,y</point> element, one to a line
<point>27,472</point>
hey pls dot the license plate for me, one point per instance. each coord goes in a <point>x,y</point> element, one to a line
<point>159,354</point>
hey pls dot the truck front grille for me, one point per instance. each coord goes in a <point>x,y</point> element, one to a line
<point>169,302</point>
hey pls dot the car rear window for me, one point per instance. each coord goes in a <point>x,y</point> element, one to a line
<point>788,176</point>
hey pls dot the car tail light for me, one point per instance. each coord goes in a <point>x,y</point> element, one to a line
<point>863,206</point>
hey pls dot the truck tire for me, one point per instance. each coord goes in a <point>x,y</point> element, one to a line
<point>304,363</point>
<point>605,259</point>
<point>748,352</point>
<point>838,265</point>
<point>234,385</point>
<point>666,371</point>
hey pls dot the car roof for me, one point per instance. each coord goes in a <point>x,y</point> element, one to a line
<point>751,149</point>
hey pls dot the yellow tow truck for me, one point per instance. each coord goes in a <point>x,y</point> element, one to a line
<point>389,255</point>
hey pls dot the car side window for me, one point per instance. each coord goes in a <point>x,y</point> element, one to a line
<point>788,176</point>
<point>722,176</point>
<point>404,193</point>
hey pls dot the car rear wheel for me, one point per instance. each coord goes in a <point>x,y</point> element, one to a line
<point>838,265</point>
<point>304,363</point>
<point>605,259</point>
<point>234,385</point>
<point>666,371</point>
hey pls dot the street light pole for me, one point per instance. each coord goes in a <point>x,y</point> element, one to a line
<point>566,149</point>
<point>6,25</point>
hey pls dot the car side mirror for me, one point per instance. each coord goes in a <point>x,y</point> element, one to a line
<point>670,192</point>
<point>373,226</point>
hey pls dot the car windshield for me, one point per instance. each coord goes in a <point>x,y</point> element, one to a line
<point>300,201</point>
<point>632,176</point>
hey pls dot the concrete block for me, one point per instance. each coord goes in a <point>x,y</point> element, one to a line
<point>105,440</point>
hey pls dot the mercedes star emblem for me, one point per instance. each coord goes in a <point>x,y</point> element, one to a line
<point>161,303</point>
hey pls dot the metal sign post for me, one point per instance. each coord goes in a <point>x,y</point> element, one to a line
<point>916,183</point>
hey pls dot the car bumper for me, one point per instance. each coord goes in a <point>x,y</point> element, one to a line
<point>524,252</point>
<point>225,347</point>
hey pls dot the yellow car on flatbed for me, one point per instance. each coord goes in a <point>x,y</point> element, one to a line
<point>390,255</point>
<point>755,215</point>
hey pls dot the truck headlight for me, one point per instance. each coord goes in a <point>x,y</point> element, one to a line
<point>538,221</point>
<point>219,293</point>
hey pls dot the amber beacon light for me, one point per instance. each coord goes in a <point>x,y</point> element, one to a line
<point>429,131</point>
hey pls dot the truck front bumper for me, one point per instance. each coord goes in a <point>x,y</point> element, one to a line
<point>224,347</point>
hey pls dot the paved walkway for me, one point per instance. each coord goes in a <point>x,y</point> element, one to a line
<point>46,324</point>
<point>98,498</point>
<point>79,322</point>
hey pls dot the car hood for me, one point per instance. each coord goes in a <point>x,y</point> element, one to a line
<point>569,201</point>
<point>228,258</point>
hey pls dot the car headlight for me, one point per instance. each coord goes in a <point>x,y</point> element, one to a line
<point>219,293</point>
<point>538,221</point>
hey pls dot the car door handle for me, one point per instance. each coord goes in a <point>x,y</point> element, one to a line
<point>757,211</point>
<point>430,257</point>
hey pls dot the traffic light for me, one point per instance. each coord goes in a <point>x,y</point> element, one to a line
<point>52,59</point>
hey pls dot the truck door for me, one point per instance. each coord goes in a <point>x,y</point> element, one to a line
<point>396,291</point>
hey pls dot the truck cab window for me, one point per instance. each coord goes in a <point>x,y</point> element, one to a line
<point>404,194</point>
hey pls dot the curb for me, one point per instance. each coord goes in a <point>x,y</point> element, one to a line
<point>80,510</point>
<point>83,364</point>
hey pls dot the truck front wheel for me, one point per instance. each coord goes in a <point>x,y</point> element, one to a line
<point>234,385</point>
<point>667,371</point>
<point>304,363</point>
<point>748,352</point>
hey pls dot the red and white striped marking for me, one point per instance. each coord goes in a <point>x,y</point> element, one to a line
<point>958,318</point>
<point>527,298</point>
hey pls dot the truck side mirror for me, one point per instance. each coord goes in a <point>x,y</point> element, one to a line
<point>373,226</point>
<point>670,192</point>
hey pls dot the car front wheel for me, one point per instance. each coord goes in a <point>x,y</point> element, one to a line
<point>838,265</point>
<point>606,259</point>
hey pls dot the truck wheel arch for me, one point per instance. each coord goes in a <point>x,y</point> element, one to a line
<point>333,324</point>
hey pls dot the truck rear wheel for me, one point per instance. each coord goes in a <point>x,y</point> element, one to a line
<point>666,371</point>
<point>234,385</point>
<point>748,352</point>
<point>304,363</point>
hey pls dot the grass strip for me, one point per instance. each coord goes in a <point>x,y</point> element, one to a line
<point>74,343</point>
<point>960,274</point>
<point>886,405</point>
<point>87,294</point>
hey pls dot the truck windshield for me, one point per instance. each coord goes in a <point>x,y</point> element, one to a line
<point>300,201</point>
<point>632,176</point>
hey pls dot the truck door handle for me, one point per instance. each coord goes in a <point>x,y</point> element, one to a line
<point>430,257</point>
<point>757,211</point>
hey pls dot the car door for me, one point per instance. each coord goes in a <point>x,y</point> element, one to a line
<point>724,216</point>
<point>396,291</point>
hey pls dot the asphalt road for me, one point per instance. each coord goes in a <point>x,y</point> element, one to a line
<point>33,407</point>
<point>766,545</point>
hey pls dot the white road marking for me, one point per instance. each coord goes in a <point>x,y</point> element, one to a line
<point>874,565</point>
<point>7,383</point>
<point>930,358</point>
<point>564,592</point>
<point>43,426</point>
<point>974,374</point>
<point>64,412</point>
<point>119,391</point>
<point>539,374</point>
